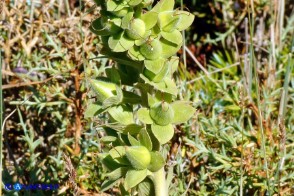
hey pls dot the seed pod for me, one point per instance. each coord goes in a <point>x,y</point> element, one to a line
<point>103,89</point>
<point>151,50</point>
<point>139,156</point>
<point>136,29</point>
<point>162,113</point>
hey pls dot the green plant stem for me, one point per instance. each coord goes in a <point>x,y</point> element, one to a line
<point>160,183</point>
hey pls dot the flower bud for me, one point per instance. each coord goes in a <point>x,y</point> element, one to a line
<point>162,113</point>
<point>136,29</point>
<point>151,50</point>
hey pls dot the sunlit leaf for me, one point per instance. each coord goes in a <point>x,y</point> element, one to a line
<point>134,177</point>
<point>120,43</point>
<point>183,112</point>
<point>122,114</point>
<point>157,161</point>
<point>174,37</point>
<point>145,139</point>
<point>162,133</point>
<point>143,116</point>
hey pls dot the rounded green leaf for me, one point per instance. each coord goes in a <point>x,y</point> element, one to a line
<point>162,74</point>
<point>122,114</point>
<point>122,12</point>
<point>183,112</point>
<point>104,27</point>
<point>133,141</point>
<point>146,188</point>
<point>164,5</point>
<point>134,177</point>
<point>143,116</point>
<point>135,54</point>
<point>174,37</point>
<point>186,19</point>
<point>157,162</point>
<point>134,2</point>
<point>118,173</point>
<point>154,65</point>
<point>168,21</point>
<point>168,48</point>
<point>112,5</point>
<point>167,85</point>
<point>120,43</point>
<point>138,156</point>
<point>145,139</point>
<point>150,19</point>
<point>162,133</point>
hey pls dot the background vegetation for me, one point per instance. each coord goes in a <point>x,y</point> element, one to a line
<point>237,68</point>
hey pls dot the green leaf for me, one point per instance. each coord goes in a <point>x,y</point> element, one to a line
<point>110,163</point>
<point>173,63</point>
<point>118,154</point>
<point>157,161</point>
<point>150,19</point>
<point>92,110</point>
<point>135,54</point>
<point>134,177</point>
<point>232,108</point>
<point>113,74</point>
<point>143,116</point>
<point>107,184</point>
<point>138,156</point>
<point>146,188</point>
<point>120,43</point>
<point>132,129</point>
<point>174,37</point>
<point>133,140</point>
<point>183,112</point>
<point>111,101</point>
<point>104,28</point>
<point>142,41</point>
<point>145,139</point>
<point>164,5</point>
<point>132,98</point>
<point>186,19</point>
<point>168,48</point>
<point>118,173</point>
<point>167,85</point>
<point>126,20</point>
<point>155,65</point>
<point>168,21</point>
<point>108,139</point>
<point>162,133</point>
<point>122,114</point>
<point>162,74</point>
<point>134,2</point>
<point>114,5</point>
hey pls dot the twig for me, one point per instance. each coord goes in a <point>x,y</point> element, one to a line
<point>8,86</point>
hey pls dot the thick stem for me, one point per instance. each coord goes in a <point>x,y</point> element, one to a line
<point>160,183</point>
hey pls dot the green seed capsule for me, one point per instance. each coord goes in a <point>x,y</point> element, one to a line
<point>151,50</point>
<point>162,113</point>
<point>136,29</point>
<point>139,156</point>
